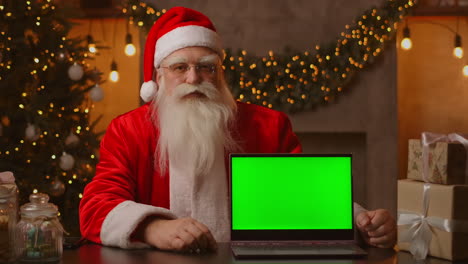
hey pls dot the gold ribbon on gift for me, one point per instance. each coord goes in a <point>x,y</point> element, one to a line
<point>429,138</point>
<point>419,233</point>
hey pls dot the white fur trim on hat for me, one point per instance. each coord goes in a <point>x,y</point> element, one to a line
<point>187,36</point>
<point>148,90</point>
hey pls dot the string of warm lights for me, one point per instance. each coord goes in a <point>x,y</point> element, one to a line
<point>129,50</point>
<point>458,52</point>
<point>5,54</point>
<point>297,81</point>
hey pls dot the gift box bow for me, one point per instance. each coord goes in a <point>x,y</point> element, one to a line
<point>429,138</point>
<point>419,233</point>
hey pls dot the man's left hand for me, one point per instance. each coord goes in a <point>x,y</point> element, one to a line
<point>378,228</point>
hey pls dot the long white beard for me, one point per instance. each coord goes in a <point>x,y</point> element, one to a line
<point>194,135</point>
<point>192,129</point>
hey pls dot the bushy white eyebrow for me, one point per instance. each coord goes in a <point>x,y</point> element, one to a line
<point>212,58</point>
<point>174,60</point>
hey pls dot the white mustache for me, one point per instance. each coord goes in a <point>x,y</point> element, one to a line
<point>205,88</point>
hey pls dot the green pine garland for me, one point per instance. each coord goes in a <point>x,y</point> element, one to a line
<point>298,81</point>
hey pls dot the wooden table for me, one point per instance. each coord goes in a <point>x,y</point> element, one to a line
<point>91,253</point>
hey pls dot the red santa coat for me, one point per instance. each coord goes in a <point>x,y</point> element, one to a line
<point>126,188</point>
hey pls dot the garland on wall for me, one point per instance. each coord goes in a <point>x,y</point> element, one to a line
<point>298,81</point>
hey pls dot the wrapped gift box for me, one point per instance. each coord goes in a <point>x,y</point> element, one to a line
<point>447,162</point>
<point>446,202</point>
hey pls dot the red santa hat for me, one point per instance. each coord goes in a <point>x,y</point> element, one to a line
<point>178,28</point>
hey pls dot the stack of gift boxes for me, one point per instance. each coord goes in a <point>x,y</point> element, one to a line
<point>433,201</point>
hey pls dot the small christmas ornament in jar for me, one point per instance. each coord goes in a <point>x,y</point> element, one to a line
<point>39,233</point>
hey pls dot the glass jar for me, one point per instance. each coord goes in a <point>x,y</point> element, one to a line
<point>39,234</point>
<point>8,215</point>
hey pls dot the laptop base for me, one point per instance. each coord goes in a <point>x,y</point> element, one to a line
<point>329,251</point>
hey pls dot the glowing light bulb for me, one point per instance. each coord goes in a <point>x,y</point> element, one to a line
<point>458,52</point>
<point>465,71</point>
<point>114,74</point>
<point>91,44</point>
<point>130,49</point>
<point>406,43</point>
<point>92,48</point>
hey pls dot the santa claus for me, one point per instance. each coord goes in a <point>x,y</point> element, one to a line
<point>161,179</point>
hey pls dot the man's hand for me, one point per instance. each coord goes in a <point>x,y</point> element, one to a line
<point>378,228</point>
<point>184,234</point>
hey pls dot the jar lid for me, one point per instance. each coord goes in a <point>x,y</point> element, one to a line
<point>39,206</point>
<point>7,177</point>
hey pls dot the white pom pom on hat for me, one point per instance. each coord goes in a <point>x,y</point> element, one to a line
<point>148,90</point>
<point>178,28</point>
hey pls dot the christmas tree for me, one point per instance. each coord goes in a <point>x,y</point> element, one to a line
<point>46,136</point>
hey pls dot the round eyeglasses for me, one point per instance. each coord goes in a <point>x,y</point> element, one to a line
<point>180,69</point>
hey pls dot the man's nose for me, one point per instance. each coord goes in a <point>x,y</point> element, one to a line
<point>192,76</point>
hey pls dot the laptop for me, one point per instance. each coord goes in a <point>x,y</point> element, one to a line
<point>292,206</point>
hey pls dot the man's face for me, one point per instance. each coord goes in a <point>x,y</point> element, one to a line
<point>193,110</point>
<point>191,65</point>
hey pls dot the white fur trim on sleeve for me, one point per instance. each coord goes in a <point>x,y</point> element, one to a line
<point>121,221</point>
<point>187,36</point>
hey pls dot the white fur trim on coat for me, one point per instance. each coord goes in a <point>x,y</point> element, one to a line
<point>121,221</point>
<point>188,36</point>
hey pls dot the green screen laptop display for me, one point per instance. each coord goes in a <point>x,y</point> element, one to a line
<point>294,192</point>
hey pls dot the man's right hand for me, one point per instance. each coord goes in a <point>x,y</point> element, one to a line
<point>184,234</point>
